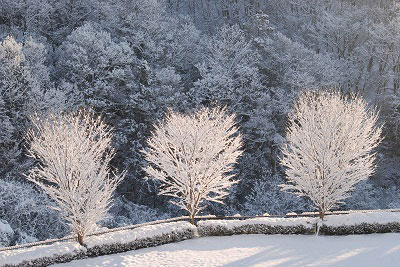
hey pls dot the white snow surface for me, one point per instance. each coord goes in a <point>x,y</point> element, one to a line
<point>60,248</point>
<point>262,250</point>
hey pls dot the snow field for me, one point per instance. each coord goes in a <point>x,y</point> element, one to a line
<point>262,250</point>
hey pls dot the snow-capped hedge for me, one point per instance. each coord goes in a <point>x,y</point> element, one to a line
<point>301,225</point>
<point>343,224</point>
<point>361,223</point>
<point>110,243</point>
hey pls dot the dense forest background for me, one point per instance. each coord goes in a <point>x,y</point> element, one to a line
<point>130,60</point>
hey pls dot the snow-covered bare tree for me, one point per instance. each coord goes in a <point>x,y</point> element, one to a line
<point>193,156</point>
<point>330,139</point>
<point>74,151</point>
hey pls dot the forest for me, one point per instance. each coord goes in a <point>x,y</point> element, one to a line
<point>132,60</point>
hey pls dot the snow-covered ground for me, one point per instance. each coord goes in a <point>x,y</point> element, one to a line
<point>17,256</point>
<point>262,250</point>
<point>290,249</point>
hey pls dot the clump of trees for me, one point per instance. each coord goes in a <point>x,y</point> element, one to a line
<point>330,147</point>
<point>74,151</point>
<point>193,156</point>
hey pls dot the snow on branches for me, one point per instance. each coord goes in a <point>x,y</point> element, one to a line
<point>74,151</point>
<point>193,156</point>
<point>328,150</point>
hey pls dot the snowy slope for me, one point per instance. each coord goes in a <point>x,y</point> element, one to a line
<point>263,250</point>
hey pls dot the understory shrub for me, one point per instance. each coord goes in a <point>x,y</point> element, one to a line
<point>27,212</point>
<point>123,213</point>
<point>6,233</point>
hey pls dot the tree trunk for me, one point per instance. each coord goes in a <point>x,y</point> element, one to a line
<point>191,217</point>
<point>321,213</point>
<point>80,239</point>
<point>318,224</point>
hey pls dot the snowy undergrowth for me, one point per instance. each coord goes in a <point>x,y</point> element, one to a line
<point>26,211</point>
<point>109,243</point>
<point>6,233</point>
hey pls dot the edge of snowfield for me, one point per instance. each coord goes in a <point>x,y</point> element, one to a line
<point>158,234</point>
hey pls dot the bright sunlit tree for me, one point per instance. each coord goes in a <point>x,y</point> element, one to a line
<point>74,153</point>
<point>330,147</point>
<point>193,156</point>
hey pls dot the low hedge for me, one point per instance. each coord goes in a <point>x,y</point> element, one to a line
<point>112,248</point>
<point>256,226</point>
<point>219,230</point>
<point>363,228</point>
<point>344,224</point>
